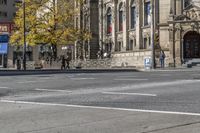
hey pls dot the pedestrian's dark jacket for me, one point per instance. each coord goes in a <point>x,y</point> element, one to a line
<point>63,60</point>
<point>162,56</point>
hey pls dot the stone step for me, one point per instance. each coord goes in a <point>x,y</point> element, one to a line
<point>193,61</point>
<point>187,65</point>
<point>196,67</point>
<point>191,65</point>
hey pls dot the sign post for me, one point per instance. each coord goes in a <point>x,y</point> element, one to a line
<point>147,63</point>
<point>152,35</point>
<point>24,24</point>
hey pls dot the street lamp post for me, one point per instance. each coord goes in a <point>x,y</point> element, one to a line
<point>174,43</point>
<point>152,35</point>
<point>24,30</point>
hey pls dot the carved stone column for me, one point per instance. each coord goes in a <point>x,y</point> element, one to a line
<point>101,24</point>
<point>125,23</point>
<point>138,23</point>
<point>172,44</point>
<point>172,7</point>
<point>178,6</point>
<point>178,47</point>
<point>114,9</point>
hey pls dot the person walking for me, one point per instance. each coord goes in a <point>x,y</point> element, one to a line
<point>51,61</point>
<point>162,59</point>
<point>18,63</point>
<point>62,62</point>
<point>67,61</point>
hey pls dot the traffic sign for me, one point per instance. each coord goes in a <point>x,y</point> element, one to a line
<point>147,62</point>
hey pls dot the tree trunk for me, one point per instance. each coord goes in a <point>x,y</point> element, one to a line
<point>54,51</point>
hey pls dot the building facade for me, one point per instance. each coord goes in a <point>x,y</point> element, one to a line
<point>10,55</point>
<point>184,37</point>
<point>7,13</point>
<point>121,32</point>
<point>7,10</point>
<point>87,20</point>
<point>125,31</point>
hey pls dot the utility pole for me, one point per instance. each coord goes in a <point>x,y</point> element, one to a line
<point>152,34</point>
<point>173,13</point>
<point>24,30</point>
<point>53,45</point>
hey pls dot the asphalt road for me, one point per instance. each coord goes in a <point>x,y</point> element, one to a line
<point>134,102</point>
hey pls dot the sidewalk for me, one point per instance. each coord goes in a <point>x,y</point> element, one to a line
<point>13,72</point>
<point>168,69</point>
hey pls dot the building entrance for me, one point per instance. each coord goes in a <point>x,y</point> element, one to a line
<point>1,60</point>
<point>191,46</point>
<point>4,39</point>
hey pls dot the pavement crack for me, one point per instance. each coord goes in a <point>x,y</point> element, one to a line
<point>171,127</point>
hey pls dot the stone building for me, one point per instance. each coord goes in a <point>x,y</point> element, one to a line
<point>183,26</point>
<point>125,31</point>
<point>121,32</point>
<point>8,53</point>
<point>7,13</point>
<point>87,19</point>
<point>7,10</point>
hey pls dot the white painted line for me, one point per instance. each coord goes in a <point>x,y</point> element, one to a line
<point>102,108</point>
<point>3,87</point>
<point>47,78</point>
<point>195,74</point>
<point>50,90</point>
<point>165,75</point>
<point>132,79</point>
<point>136,94</point>
<point>128,76</point>
<point>81,78</point>
<point>25,82</point>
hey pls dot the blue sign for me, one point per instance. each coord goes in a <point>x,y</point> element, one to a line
<point>4,38</point>
<point>147,62</point>
<point>3,48</point>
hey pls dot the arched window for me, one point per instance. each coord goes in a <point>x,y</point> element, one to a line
<point>120,14</point>
<point>132,14</point>
<point>186,3</point>
<point>109,21</point>
<point>147,13</point>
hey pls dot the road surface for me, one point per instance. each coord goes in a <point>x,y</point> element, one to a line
<point>134,102</point>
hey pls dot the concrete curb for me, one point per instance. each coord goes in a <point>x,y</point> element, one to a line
<point>7,72</point>
<point>57,71</point>
<point>170,70</point>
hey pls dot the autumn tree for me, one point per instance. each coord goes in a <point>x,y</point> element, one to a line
<point>47,22</point>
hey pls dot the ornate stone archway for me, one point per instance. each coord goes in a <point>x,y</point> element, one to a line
<point>191,45</point>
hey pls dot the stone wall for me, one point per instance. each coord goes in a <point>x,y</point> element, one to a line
<point>93,63</point>
<point>130,59</point>
<point>133,59</point>
<point>120,60</point>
